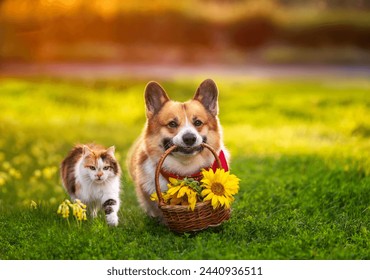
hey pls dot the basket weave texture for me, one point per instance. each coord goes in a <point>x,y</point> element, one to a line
<point>180,218</point>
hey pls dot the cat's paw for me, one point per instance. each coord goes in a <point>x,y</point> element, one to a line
<point>112,219</point>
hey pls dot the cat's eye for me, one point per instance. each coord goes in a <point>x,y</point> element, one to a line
<point>198,123</point>
<point>92,167</point>
<point>106,167</point>
<point>173,124</point>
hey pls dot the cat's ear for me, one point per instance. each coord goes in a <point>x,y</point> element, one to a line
<point>155,97</point>
<point>86,151</point>
<point>111,150</point>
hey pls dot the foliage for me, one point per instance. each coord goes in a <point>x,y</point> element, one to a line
<point>299,147</point>
<point>180,31</point>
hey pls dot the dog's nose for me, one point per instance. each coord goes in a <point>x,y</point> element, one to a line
<point>189,139</point>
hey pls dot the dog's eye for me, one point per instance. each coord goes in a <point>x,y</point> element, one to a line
<point>92,167</point>
<point>172,124</point>
<point>198,123</point>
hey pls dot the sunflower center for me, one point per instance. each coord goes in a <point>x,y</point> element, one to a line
<point>217,188</point>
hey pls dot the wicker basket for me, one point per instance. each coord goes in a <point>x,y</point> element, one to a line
<point>180,218</point>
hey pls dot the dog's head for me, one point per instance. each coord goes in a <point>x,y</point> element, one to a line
<point>186,125</point>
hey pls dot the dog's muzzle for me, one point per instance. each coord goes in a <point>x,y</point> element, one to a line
<point>187,149</point>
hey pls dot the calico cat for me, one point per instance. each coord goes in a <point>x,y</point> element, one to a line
<point>92,174</point>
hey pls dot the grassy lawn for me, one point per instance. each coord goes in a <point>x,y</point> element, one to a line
<point>301,149</point>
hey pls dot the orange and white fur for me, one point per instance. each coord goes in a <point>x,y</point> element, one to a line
<point>92,174</point>
<point>186,125</point>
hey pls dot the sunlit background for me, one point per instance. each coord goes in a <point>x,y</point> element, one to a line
<point>194,31</point>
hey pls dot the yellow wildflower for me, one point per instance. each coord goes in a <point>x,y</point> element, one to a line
<point>14,173</point>
<point>33,204</point>
<point>49,172</point>
<point>78,209</point>
<point>6,165</point>
<point>2,181</point>
<point>68,202</point>
<point>37,173</point>
<point>219,187</point>
<point>63,209</point>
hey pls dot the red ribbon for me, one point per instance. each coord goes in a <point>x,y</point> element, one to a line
<point>224,164</point>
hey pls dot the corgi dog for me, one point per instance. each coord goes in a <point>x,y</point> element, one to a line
<point>186,125</point>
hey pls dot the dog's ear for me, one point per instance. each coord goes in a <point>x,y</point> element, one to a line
<point>155,97</point>
<point>207,94</point>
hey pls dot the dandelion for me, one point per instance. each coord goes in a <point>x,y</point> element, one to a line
<point>219,187</point>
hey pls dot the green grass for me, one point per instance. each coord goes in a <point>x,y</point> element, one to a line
<point>301,149</point>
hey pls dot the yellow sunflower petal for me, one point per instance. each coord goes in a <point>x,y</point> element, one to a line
<point>205,192</point>
<point>206,183</point>
<point>227,204</point>
<point>207,175</point>
<point>173,181</point>
<point>222,199</point>
<point>154,197</point>
<point>173,190</point>
<point>192,201</point>
<point>215,202</point>
<point>182,191</point>
<point>209,196</point>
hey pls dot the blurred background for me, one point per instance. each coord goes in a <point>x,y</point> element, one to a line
<point>186,32</point>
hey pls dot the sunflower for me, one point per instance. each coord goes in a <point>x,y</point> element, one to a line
<point>219,187</point>
<point>165,196</point>
<point>180,192</point>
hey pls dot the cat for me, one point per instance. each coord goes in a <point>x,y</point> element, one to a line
<point>92,174</point>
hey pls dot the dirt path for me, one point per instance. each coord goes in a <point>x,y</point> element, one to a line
<point>162,71</point>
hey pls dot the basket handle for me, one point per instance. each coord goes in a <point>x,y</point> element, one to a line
<point>160,163</point>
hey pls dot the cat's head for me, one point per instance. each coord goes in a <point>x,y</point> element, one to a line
<point>100,164</point>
